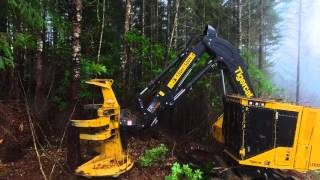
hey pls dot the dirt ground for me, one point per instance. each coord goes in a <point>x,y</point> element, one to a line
<point>18,159</point>
<point>54,166</point>
<point>15,140</point>
<point>53,161</point>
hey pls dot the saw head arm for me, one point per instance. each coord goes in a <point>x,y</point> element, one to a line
<point>177,78</point>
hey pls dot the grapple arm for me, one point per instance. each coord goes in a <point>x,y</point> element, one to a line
<point>173,82</point>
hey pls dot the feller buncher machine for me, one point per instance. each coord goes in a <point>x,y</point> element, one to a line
<point>255,132</point>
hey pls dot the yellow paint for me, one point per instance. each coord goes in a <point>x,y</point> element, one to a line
<point>243,82</point>
<point>302,156</point>
<point>181,70</point>
<point>98,122</point>
<point>161,93</point>
<point>112,159</point>
<point>217,130</point>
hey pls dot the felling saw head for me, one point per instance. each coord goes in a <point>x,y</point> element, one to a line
<point>112,160</point>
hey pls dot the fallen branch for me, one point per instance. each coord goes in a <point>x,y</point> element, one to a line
<point>102,29</point>
<point>32,130</point>
<point>63,136</point>
<point>52,170</point>
<point>172,151</point>
<point>34,139</point>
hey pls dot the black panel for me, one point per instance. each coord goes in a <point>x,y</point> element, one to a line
<point>232,128</point>
<point>259,132</point>
<point>286,128</point>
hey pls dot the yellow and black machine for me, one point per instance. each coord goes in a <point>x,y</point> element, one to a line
<point>255,132</point>
<point>270,134</point>
<point>105,130</point>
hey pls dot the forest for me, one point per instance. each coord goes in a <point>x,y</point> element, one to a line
<point>49,49</point>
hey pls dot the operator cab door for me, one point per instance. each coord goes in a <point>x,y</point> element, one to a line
<point>304,146</point>
<point>269,129</point>
<point>286,122</point>
<point>259,131</point>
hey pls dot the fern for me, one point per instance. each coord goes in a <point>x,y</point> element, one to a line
<point>184,172</point>
<point>91,69</point>
<point>153,155</point>
<point>25,40</point>
<point>6,56</point>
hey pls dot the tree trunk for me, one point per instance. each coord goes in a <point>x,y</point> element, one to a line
<point>39,90</point>
<point>3,16</point>
<point>76,47</point>
<point>240,23</point>
<point>38,98</point>
<point>126,54</point>
<point>143,4</point>
<point>204,14</point>
<point>174,28</point>
<point>185,29</point>
<point>261,36</point>
<point>102,29</point>
<point>11,79</point>
<point>157,21</point>
<point>73,144</point>
<point>249,24</point>
<point>166,60</point>
<point>298,58</point>
<point>168,20</point>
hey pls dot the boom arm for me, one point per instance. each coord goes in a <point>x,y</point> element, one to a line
<point>165,89</point>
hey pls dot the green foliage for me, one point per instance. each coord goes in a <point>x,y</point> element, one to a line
<point>151,56</point>
<point>60,103</point>
<point>143,48</point>
<point>60,98</point>
<point>29,11</point>
<point>207,169</point>
<point>6,56</point>
<point>184,172</point>
<point>153,155</point>
<point>66,79</point>
<point>29,20</point>
<point>262,85</point>
<point>89,70</point>
<point>21,41</point>
<point>25,41</point>
<point>202,82</point>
